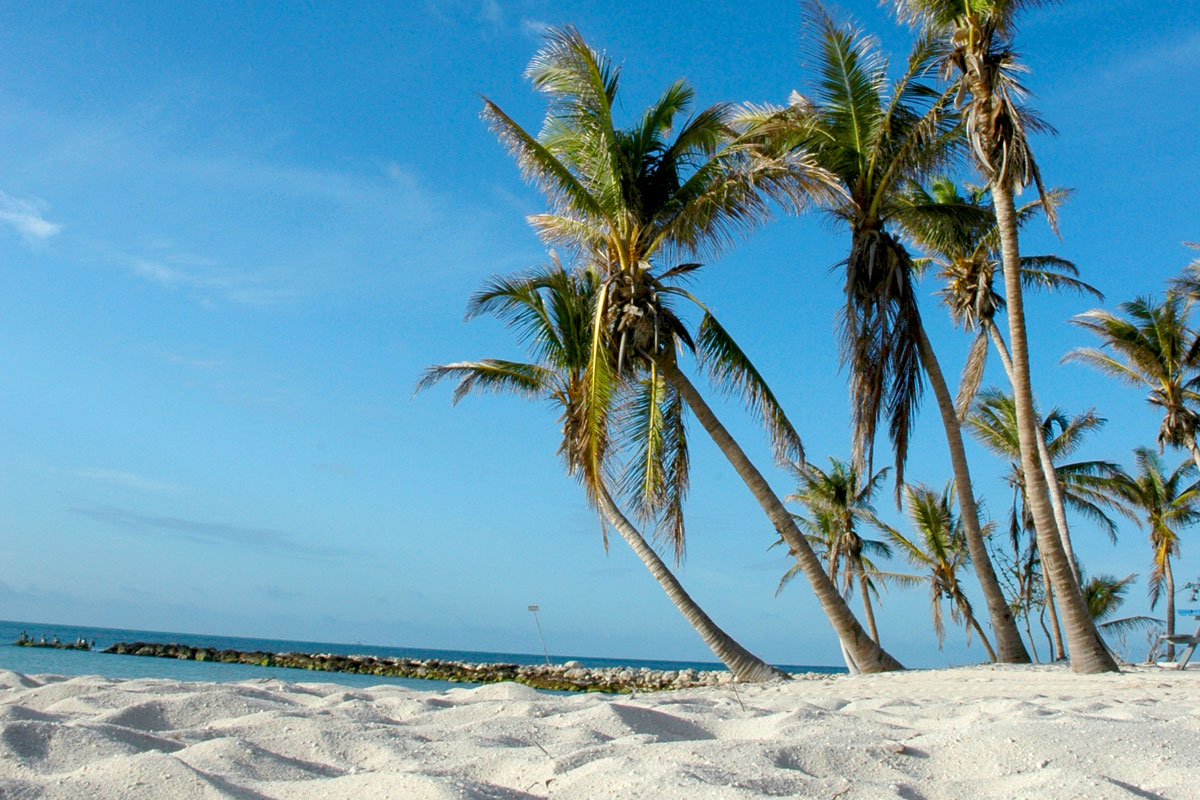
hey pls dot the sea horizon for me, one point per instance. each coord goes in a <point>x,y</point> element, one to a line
<point>37,660</point>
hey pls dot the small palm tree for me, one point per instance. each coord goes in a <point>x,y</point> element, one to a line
<point>1164,504</point>
<point>981,63</point>
<point>939,547</point>
<point>637,206</point>
<point>839,504</point>
<point>875,137</point>
<point>551,310</point>
<point>1148,345</point>
<point>1105,594</point>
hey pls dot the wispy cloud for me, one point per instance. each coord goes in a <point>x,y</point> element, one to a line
<point>334,468</point>
<point>25,217</point>
<point>491,13</point>
<point>534,28</point>
<point>194,363</point>
<point>1167,55</point>
<point>235,286</point>
<point>205,532</point>
<point>127,479</point>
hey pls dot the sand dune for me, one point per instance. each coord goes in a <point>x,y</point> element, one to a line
<point>978,732</point>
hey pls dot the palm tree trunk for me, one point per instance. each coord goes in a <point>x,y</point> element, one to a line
<point>1052,484</point>
<point>744,665</point>
<point>1055,632</point>
<point>1046,631</point>
<point>866,654</point>
<point>1025,592</point>
<point>986,644</point>
<point>868,611</point>
<point>1170,579</point>
<point>1088,653</point>
<point>1008,638</point>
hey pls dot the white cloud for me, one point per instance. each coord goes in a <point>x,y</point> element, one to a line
<point>491,13</point>
<point>204,276</point>
<point>25,217</point>
<point>127,479</point>
<point>534,28</point>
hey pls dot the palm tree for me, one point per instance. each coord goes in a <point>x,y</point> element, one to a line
<point>1188,283</point>
<point>1164,504</point>
<point>966,254</point>
<point>1105,594</point>
<point>839,503</point>
<point>637,206</point>
<point>1150,346</point>
<point>980,61</point>
<point>993,422</point>
<point>551,310</point>
<point>875,137</point>
<point>939,547</point>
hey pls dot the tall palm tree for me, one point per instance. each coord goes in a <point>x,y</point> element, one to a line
<point>875,137</point>
<point>839,504</point>
<point>1150,346</point>
<point>966,255</point>
<point>939,546</point>
<point>637,206</point>
<point>551,310</point>
<point>1164,504</point>
<point>993,422</point>
<point>982,65</point>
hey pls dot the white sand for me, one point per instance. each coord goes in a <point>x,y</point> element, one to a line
<point>978,732</point>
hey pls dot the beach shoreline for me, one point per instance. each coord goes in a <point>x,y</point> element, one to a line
<point>983,731</point>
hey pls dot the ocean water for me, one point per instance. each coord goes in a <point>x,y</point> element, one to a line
<point>41,660</point>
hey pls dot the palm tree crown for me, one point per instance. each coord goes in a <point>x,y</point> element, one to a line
<point>1148,345</point>
<point>874,136</point>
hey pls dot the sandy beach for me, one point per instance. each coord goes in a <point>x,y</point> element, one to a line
<point>988,731</point>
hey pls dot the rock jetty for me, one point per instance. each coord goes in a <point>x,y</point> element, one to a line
<point>571,676</point>
<point>24,640</point>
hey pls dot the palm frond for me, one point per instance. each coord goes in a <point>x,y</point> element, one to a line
<point>731,370</point>
<point>490,375</point>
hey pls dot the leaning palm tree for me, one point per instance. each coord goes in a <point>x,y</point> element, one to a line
<point>638,206</point>
<point>939,547</point>
<point>993,422</point>
<point>875,137</point>
<point>980,62</point>
<point>1164,504</point>
<point>964,249</point>
<point>551,309</point>
<point>1149,345</point>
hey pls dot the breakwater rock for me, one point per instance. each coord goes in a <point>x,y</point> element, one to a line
<point>25,641</point>
<point>571,676</point>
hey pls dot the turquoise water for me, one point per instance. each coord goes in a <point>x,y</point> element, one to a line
<point>39,660</point>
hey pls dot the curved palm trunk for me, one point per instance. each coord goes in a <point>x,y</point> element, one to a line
<point>986,644</point>
<point>1008,637</point>
<point>868,611</point>
<point>1055,632</point>
<point>1052,484</point>
<point>1169,575</point>
<point>744,665</point>
<point>1088,653</point>
<point>866,654</point>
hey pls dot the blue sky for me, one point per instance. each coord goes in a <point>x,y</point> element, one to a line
<point>231,238</point>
